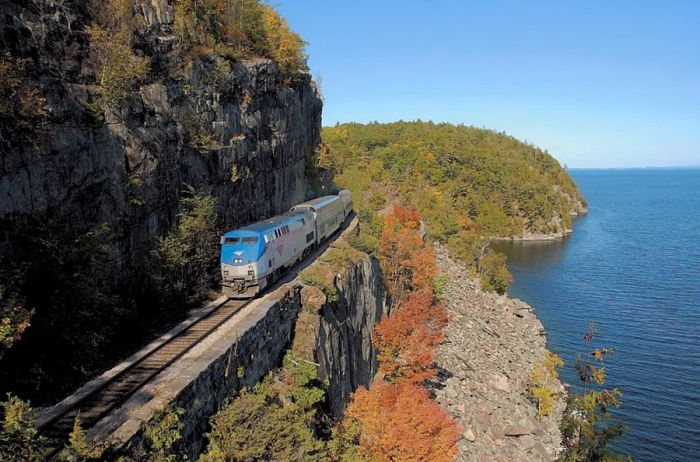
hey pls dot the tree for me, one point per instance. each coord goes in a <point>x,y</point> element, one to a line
<point>80,447</point>
<point>407,263</point>
<point>119,69</point>
<point>405,340</point>
<point>544,376</point>
<point>189,252</point>
<point>493,272</point>
<point>588,426</point>
<point>274,421</point>
<point>395,422</point>
<point>19,439</point>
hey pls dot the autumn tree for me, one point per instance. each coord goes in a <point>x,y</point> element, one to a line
<point>544,376</point>
<point>588,426</point>
<point>395,422</point>
<point>407,263</point>
<point>239,29</point>
<point>405,340</point>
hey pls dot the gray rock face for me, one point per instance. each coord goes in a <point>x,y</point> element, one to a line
<point>131,170</point>
<point>343,346</point>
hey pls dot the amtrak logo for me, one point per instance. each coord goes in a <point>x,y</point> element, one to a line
<point>279,249</point>
<point>238,253</point>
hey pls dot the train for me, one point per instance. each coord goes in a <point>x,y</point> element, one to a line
<point>255,256</point>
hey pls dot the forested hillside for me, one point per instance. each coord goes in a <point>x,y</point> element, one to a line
<point>469,185</point>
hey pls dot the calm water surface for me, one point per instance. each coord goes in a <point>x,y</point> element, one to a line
<point>633,266</point>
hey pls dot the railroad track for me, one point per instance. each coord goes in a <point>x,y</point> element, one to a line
<point>109,395</point>
<point>115,391</point>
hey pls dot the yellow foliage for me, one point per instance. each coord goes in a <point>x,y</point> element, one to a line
<point>544,375</point>
<point>80,447</point>
<point>238,29</point>
<point>119,69</point>
<point>284,45</point>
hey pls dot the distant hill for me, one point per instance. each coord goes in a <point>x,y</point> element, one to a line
<point>468,183</point>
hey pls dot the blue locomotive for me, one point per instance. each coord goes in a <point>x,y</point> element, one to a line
<point>255,256</point>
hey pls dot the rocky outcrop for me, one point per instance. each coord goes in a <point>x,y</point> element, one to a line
<point>491,344</point>
<point>229,129</point>
<point>343,348</point>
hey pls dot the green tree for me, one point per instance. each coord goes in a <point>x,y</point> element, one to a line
<point>493,272</point>
<point>163,436</point>
<point>80,448</point>
<point>274,421</point>
<point>19,439</point>
<point>588,427</point>
<point>189,253</point>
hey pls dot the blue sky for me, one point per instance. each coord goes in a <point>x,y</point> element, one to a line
<point>597,83</point>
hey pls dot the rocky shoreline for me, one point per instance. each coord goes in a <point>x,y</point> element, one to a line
<point>484,363</point>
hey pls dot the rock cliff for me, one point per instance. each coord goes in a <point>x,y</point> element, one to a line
<point>343,347</point>
<point>229,129</point>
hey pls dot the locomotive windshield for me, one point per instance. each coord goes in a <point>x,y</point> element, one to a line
<point>232,240</point>
<point>250,240</point>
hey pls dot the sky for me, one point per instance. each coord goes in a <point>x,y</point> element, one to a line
<point>597,83</point>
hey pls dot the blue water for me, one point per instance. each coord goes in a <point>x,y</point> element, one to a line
<point>633,266</point>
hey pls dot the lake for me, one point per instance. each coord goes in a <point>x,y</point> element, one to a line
<point>632,265</point>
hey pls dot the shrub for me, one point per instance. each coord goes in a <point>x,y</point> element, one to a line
<point>80,448</point>
<point>407,263</point>
<point>275,421</point>
<point>395,422</point>
<point>543,376</point>
<point>19,440</point>
<point>23,110</point>
<point>493,272</point>
<point>14,319</point>
<point>163,435</point>
<point>119,69</point>
<point>405,340</point>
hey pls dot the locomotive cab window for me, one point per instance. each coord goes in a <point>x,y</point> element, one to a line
<point>232,240</point>
<point>250,240</point>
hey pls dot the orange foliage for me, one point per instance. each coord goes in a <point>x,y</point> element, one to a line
<point>407,264</point>
<point>467,224</point>
<point>396,420</point>
<point>405,340</point>
<point>399,422</point>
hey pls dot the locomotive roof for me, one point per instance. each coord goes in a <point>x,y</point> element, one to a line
<point>321,201</point>
<point>270,223</point>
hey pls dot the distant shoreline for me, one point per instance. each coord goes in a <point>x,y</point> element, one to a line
<point>677,167</point>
